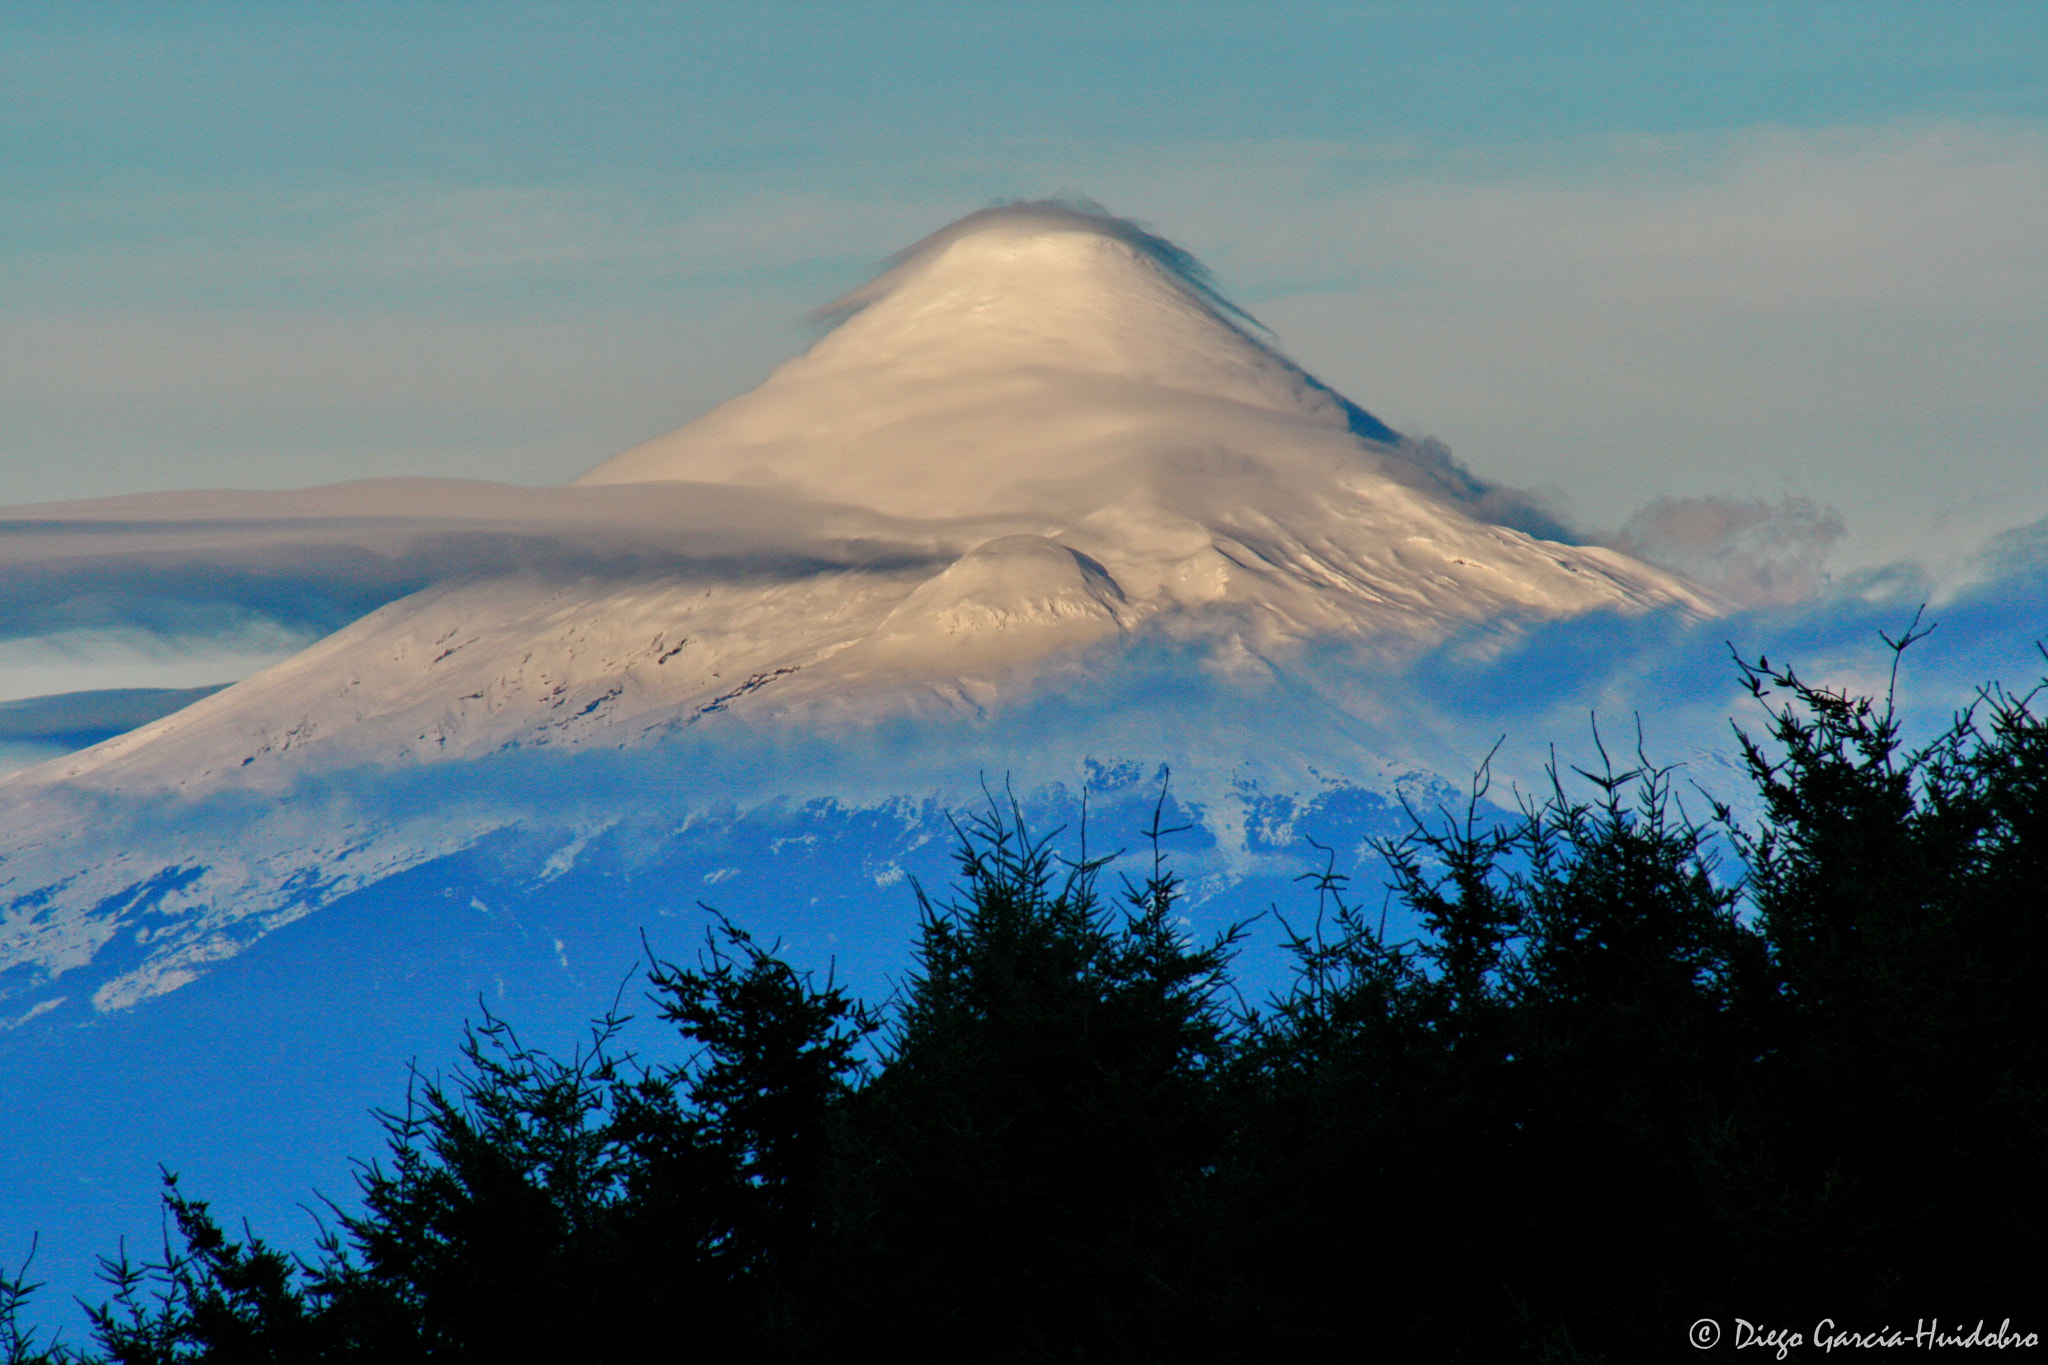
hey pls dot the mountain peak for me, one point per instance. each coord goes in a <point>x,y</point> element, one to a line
<point>999,350</point>
<point>1040,244</point>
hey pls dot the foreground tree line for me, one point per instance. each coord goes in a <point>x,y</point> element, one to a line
<point>1613,1089</point>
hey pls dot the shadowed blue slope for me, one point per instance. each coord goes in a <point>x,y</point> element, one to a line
<point>256,1082</point>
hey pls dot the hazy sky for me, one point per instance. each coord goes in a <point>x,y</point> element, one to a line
<point>1613,252</point>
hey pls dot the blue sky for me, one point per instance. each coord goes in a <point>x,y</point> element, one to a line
<point>1611,252</point>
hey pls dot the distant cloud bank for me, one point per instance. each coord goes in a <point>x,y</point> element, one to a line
<point>1748,550</point>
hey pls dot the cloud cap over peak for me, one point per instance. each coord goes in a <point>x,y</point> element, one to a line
<point>1024,220</point>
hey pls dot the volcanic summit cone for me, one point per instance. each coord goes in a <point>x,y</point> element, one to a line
<point>1038,430</point>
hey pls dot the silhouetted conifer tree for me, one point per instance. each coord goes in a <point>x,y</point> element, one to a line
<point>1043,1106</point>
<point>1905,894</point>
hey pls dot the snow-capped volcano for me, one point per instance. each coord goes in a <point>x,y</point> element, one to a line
<point>1037,431</point>
<point>1037,447</point>
<point>1039,507</point>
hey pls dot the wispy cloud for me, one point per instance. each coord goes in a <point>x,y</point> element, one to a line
<point>498,248</point>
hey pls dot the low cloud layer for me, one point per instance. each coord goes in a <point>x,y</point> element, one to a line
<point>230,569</point>
<point>208,569</point>
<point>1537,689</point>
<point>1681,684</point>
<point>1264,757</point>
<point>1748,550</point>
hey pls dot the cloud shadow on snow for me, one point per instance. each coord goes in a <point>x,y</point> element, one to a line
<point>75,720</point>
